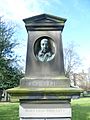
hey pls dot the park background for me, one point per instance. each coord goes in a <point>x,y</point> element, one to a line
<point>77,13</point>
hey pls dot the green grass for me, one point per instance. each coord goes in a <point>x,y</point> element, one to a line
<point>80,110</point>
<point>9,111</point>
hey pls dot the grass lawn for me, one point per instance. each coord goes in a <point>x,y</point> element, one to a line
<point>9,111</point>
<point>80,110</point>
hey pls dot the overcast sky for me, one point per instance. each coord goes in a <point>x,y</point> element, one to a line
<point>77,27</point>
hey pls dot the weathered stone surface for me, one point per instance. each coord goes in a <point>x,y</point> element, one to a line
<point>44,22</point>
<point>45,82</point>
<point>39,28</point>
<point>46,110</point>
<point>35,68</point>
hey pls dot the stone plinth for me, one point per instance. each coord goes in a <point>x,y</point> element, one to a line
<point>44,109</point>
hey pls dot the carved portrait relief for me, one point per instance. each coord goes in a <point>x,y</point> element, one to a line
<point>44,49</point>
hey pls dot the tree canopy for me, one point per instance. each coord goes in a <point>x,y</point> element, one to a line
<point>9,73</point>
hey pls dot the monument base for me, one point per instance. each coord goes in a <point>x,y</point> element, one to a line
<point>44,109</point>
<point>45,103</point>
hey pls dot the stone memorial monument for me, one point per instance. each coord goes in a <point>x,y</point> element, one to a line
<point>44,92</point>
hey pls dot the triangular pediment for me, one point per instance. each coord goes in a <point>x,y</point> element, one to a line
<point>44,18</point>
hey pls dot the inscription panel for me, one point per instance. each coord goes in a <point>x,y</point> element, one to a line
<point>45,83</point>
<point>45,110</point>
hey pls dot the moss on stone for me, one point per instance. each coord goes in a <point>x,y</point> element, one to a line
<point>57,91</point>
